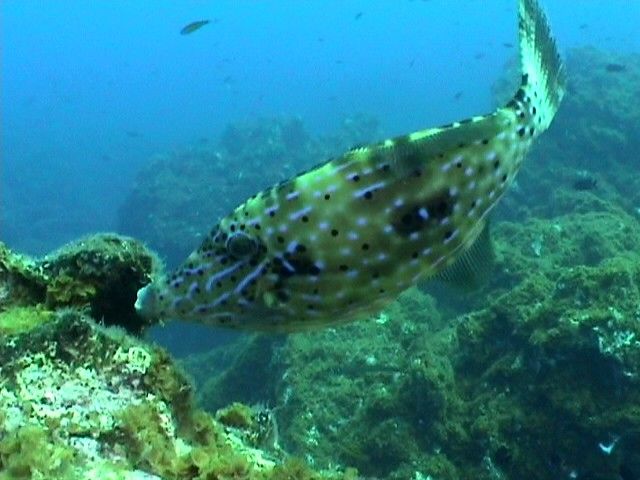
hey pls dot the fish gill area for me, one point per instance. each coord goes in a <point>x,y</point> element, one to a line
<point>536,375</point>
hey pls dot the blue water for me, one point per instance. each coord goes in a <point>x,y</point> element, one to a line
<point>91,89</point>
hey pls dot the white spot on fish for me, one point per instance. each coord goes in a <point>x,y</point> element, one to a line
<point>362,221</point>
<point>222,274</point>
<point>353,235</point>
<point>292,195</point>
<point>370,188</point>
<point>300,213</point>
<point>192,289</point>
<point>452,236</point>
<point>323,225</point>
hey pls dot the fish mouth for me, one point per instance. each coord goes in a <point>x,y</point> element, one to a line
<point>146,301</point>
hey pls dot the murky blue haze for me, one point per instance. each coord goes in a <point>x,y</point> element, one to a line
<point>91,89</point>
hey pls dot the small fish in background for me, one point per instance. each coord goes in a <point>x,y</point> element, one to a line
<point>507,44</point>
<point>583,26</point>
<point>133,134</point>
<point>193,26</point>
<point>412,63</point>
<point>458,95</point>
<point>615,67</point>
<point>585,182</point>
<point>358,16</point>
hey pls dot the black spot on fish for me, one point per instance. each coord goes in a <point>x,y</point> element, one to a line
<point>413,218</point>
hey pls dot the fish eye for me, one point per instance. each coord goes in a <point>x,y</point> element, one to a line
<point>240,245</point>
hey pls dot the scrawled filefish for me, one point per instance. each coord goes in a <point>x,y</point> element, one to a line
<point>343,239</point>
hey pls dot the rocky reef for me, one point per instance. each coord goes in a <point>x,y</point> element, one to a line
<point>536,375</point>
<point>82,398</point>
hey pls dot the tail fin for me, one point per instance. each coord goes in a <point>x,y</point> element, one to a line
<point>543,73</point>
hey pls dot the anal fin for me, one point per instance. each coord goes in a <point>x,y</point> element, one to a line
<point>474,267</point>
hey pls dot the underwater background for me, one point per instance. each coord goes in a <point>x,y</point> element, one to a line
<point>113,121</point>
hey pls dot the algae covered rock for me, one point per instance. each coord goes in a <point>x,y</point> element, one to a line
<point>80,400</point>
<point>20,281</point>
<point>102,272</point>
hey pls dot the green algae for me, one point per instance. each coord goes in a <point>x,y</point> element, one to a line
<point>22,319</point>
<point>32,452</point>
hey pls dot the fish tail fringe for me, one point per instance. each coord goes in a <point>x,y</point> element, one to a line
<point>543,72</point>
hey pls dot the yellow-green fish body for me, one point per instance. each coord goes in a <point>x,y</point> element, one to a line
<point>342,240</point>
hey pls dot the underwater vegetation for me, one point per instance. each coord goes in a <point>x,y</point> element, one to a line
<point>86,400</point>
<point>98,273</point>
<point>537,375</point>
